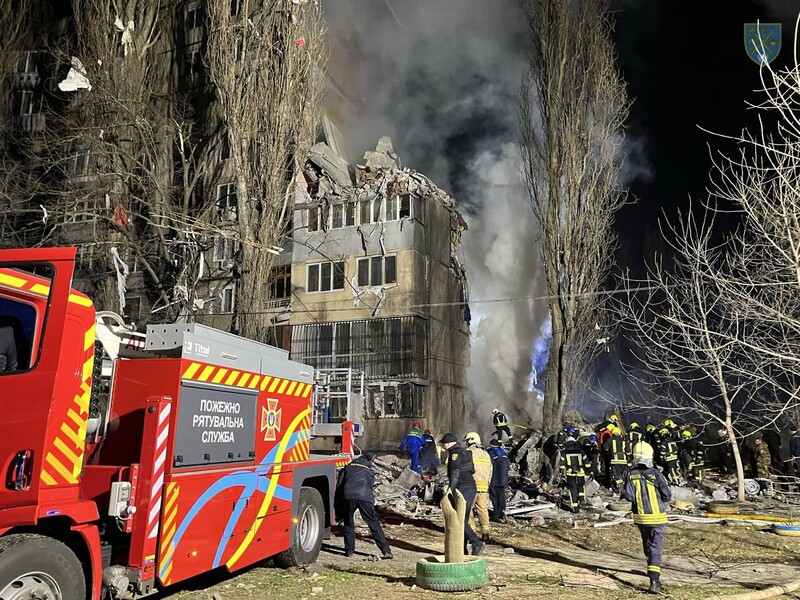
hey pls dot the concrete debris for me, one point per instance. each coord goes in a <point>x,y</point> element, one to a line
<point>76,78</point>
<point>383,157</point>
<point>408,479</point>
<point>685,494</point>
<point>719,494</point>
<point>332,165</point>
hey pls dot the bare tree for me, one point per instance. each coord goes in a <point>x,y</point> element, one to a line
<point>573,108</point>
<point>263,63</point>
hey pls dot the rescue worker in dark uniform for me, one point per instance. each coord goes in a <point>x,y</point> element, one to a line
<point>694,456</point>
<point>616,451</point>
<point>500,422</point>
<point>668,456</point>
<point>573,466</point>
<point>428,456</point>
<point>499,482</point>
<point>460,472</point>
<point>355,485</point>
<point>592,451</point>
<point>634,436</point>
<point>773,441</point>
<point>648,492</point>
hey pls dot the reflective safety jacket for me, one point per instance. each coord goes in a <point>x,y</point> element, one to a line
<point>667,450</point>
<point>634,437</point>
<point>499,419</point>
<point>573,461</point>
<point>648,491</point>
<point>616,450</point>
<point>483,468</point>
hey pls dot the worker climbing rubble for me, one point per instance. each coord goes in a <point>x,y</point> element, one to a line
<point>648,492</point>
<point>500,422</point>
<point>592,451</point>
<point>573,466</point>
<point>499,482</point>
<point>429,455</point>
<point>460,475</point>
<point>483,475</point>
<point>412,444</point>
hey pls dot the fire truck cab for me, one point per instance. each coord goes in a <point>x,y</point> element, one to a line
<point>192,454</point>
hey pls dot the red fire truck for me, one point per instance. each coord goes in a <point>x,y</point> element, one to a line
<point>191,453</point>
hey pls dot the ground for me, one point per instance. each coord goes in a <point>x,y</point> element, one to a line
<point>554,561</point>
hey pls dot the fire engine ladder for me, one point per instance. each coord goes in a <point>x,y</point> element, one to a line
<point>338,397</point>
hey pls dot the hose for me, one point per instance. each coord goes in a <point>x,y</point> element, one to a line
<point>768,518</point>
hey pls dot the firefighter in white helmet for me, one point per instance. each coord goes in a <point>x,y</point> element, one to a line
<point>483,475</point>
<point>500,422</point>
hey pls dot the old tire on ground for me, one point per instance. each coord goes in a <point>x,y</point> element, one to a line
<point>724,507</point>
<point>435,574</point>
<point>621,506</point>
<point>789,529</point>
<point>306,536</point>
<point>33,565</point>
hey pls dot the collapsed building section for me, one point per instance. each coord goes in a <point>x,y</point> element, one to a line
<point>374,293</point>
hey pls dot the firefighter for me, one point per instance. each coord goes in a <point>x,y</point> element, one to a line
<point>460,475</point>
<point>429,455</point>
<point>634,434</point>
<point>694,456</point>
<point>412,443</point>
<point>500,422</point>
<point>650,434</point>
<point>648,492</point>
<point>668,456</point>
<point>763,459</point>
<point>592,451</point>
<point>573,466</point>
<point>483,474</point>
<point>355,485</point>
<point>499,482</point>
<point>612,420</point>
<point>616,452</point>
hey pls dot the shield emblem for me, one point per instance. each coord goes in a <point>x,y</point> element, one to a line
<point>762,41</point>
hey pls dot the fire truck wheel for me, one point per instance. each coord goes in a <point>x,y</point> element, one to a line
<point>307,532</point>
<point>36,566</point>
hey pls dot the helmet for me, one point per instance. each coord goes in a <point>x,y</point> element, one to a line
<point>643,450</point>
<point>615,430</point>
<point>664,431</point>
<point>614,419</point>
<point>570,430</point>
<point>633,426</point>
<point>650,427</point>
<point>495,410</point>
<point>472,438</point>
<point>686,433</point>
<point>670,423</point>
<point>417,424</point>
<point>592,438</point>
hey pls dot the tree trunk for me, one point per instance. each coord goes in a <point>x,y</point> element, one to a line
<point>737,457</point>
<point>553,405</point>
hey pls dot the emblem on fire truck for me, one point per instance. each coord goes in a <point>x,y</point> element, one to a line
<point>271,420</point>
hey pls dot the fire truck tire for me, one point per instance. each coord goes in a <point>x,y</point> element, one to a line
<point>307,533</point>
<point>33,565</point>
<point>435,574</point>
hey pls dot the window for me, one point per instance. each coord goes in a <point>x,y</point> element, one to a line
<point>224,249</point>
<point>236,7</point>
<point>370,210</point>
<point>194,18</point>
<point>227,299</point>
<point>398,207</point>
<point>86,256</point>
<point>80,164</point>
<point>24,103</point>
<point>26,63</point>
<point>191,66</point>
<point>343,215</point>
<point>280,285</point>
<point>377,270</point>
<point>318,218</point>
<point>225,147</point>
<point>325,277</point>
<point>227,201</point>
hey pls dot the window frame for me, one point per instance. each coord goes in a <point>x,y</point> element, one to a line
<point>227,211</point>
<point>369,261</point>
<point>230,288</point>
<point>337,271</point>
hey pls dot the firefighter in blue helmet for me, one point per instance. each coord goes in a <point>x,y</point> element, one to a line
<point>413,443</point>
<point>648,491</point>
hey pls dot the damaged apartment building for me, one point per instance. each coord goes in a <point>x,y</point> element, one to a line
<point>373,287</point>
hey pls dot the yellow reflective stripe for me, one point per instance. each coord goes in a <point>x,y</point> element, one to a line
<point>53,462</point>
<point>191,370</point>
<point>73,437</point>
<point>232,377</point>
<point>10,280</point>
<point>79,300</point>
<point>275,383</point>
<point>40,289</point>
<point>637,484</point>
<point>254,382</point>
<point>88,338</point>
<point>265,382</point>
<point>654,568</point>
<point>243,381</point>
<point>291,388</point>
<point>206,373</point>
<point>651,494</point>
<point>283,386</point>
<point>47,479</point>
<point>219,376</point>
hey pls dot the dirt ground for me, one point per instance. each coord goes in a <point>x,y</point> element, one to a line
<point>555,561</point>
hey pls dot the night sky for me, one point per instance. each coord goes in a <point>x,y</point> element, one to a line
<point>686,66</point>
